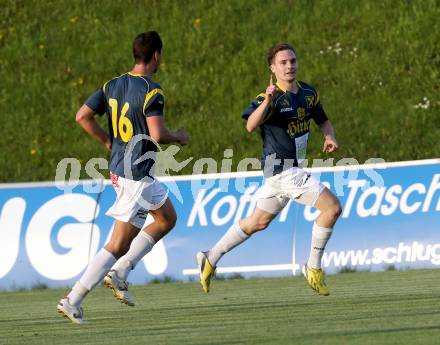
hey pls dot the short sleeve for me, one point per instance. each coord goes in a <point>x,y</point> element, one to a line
<point>254,105</point>
<point>96,102</point>
<point>318,113</point>
<point>154,103</point>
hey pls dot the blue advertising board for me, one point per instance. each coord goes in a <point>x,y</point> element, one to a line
<point>391,216</point>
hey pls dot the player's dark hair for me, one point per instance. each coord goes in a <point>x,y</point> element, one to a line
<point>277,48</point>
<point>145,45</point>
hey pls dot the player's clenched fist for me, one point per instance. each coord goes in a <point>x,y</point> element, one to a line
<point>330,145</point>
<point>183,136</point>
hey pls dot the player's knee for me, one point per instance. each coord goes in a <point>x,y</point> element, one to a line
<point>253,224</point>
<point>335,209</point>
<point>168,222</point>
<point>118,249</point>
<point>261,224</point>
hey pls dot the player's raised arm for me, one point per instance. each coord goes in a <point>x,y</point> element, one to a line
<point>330,143</point>
<point>162,134</point>
<point>257,117</point>
<point>85,117</point>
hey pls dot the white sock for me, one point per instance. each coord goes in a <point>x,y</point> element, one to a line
<point>77,294</point>
<point>140,246</point>
<point>95,272</point>
<point>232,238</point>
<point>320,237</point>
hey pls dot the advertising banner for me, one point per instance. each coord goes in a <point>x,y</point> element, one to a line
<point>391,217</point>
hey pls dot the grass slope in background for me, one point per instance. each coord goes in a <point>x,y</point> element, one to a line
<point>364,308</point>
<point>373,62</point>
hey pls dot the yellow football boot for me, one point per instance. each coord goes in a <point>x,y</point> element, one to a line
<point>206,270</point>
<point>315,279</point>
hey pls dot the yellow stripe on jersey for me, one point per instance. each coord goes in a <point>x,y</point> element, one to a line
<point>150,94</point>
<point>316,98</point>
<point>103,86</point>
<point>280,87</point>
<point>259,101</point>
<point>315,92</point>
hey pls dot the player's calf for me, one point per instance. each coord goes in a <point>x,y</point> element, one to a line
<point>330,208</point>
<point>333,211</point>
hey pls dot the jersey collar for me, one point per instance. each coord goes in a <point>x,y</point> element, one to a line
<point>135,75</point>
<point>280,87</point>
<point>285,90</point>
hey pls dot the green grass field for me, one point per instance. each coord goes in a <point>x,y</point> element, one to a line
<point>374,63</point>
<point>396,307</point>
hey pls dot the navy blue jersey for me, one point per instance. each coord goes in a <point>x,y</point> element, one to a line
<point>128,100</point>
<point>285,130</point>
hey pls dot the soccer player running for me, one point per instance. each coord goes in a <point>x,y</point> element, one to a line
<point>283,113</point>
<point>134,106</point>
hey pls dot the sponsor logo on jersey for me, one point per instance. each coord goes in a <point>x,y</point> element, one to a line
<point>301,113</point>
<point>296,127</point>
<point>310,101</point>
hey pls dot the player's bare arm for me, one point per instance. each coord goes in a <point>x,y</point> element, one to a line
<point>86,119</point>
<point>330,143</point>
<point>163,135</point>
<point>257,117</point>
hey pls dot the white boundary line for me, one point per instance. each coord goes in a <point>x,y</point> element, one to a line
<point>237,174</point>
<point>48,184</point>
<point>245,269</point>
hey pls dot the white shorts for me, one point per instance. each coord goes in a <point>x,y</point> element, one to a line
<point>293,183</point>
<point>134,199</point>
